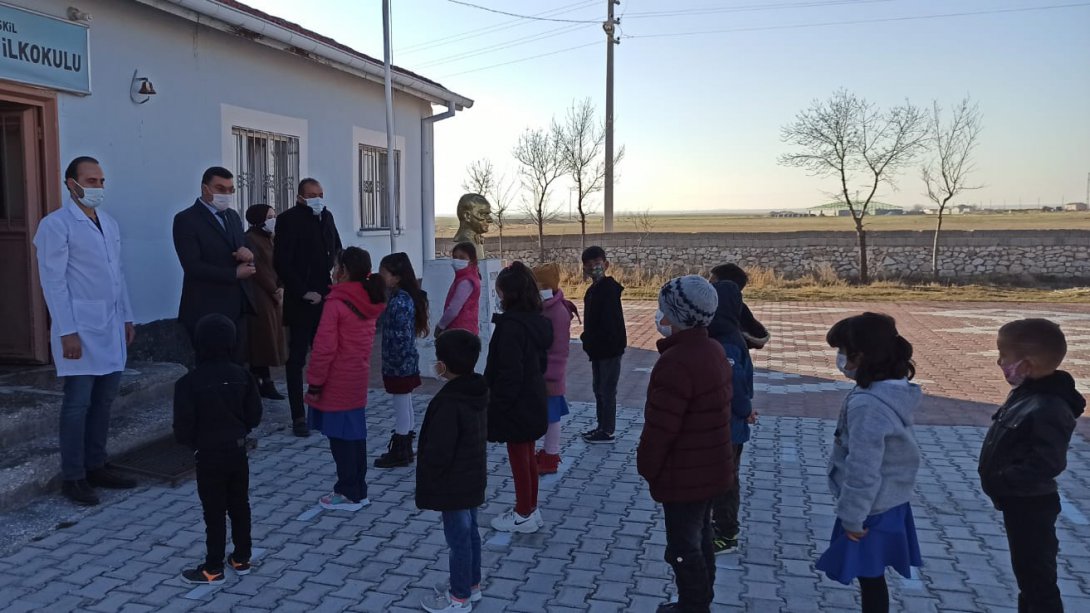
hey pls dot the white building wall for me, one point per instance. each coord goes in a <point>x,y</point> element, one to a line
<point>154,153</point>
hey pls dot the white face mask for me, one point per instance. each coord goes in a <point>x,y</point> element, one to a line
<point>459,264</point>
<point>315,205</point>
<point>842,366</point>
<point>270,225</point>
<point>92,197</point>
<point>546,294</point>
<point>222,202</point>
<point>663,330</point>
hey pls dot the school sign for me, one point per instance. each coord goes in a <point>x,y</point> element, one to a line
<point>45,51</point>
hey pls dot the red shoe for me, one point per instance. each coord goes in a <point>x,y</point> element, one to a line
<point>547,463</point>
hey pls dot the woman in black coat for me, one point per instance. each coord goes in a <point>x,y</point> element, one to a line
<point>515,372</point>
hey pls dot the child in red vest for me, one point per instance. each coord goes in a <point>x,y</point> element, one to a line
<point>460,311</point>
<point>340,364</point>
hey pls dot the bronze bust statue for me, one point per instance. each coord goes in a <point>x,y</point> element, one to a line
<point>474,216</point>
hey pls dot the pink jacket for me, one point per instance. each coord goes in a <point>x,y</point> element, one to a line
<point>340,362</point>
<point>559,312</point>
<point>468,314</point>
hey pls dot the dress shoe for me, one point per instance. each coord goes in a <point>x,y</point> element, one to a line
<point>110,479</point>
<point>80,493</point>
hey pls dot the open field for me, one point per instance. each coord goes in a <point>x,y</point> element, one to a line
<point>1015,220</point>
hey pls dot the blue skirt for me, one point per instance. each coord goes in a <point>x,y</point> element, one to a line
<point>558,407</point>
<point>890,541</point>
<point>348,425</point>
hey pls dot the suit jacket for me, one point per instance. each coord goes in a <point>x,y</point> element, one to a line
<point>205,251</point>
<point>303,253</point>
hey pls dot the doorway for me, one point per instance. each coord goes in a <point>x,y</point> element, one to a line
<point>28,165</point>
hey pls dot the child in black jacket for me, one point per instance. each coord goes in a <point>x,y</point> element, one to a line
<point>604,339</point>
<point>452,464</point>
<point>215,406</point>
<point>1026,449</point>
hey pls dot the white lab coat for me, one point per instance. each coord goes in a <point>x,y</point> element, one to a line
<point>85,289</point>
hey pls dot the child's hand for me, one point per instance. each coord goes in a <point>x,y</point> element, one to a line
<point>857,536</point>
<point>752,419</point>
<point>314,390</point>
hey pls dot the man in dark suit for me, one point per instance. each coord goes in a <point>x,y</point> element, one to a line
<point>306,245</point>
<point>209,240</point>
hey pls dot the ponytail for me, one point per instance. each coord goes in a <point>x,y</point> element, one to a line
<point>357,263</point>
<point>872,342</point>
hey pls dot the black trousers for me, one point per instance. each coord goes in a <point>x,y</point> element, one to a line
<point>725,507</point>
<point>1031,533</point>
<point>604,377</point>
<point>689,551</point>
<point>223,484</point>
<point>242,338</point>
<point>351,460</point>
<point>301,332</point>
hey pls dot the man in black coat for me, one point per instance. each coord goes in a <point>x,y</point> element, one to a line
<point>306,244</point>
<point>209,241</point>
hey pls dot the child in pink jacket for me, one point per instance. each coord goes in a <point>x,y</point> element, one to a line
<point>340,365</point>
<point>560,313</point>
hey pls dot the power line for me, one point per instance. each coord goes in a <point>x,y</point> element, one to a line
<point>565,29</point>
<point>860,21</point>
<point>747,8</point>
<point>520,60</point>
<point>499,12</point>
<point>477,32</point>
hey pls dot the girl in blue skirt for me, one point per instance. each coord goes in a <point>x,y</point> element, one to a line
<point>872,469</point>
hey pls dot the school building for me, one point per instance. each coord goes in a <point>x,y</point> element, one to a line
<point>158,90</point>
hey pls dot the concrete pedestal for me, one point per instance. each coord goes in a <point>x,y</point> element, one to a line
<point>438,275</point>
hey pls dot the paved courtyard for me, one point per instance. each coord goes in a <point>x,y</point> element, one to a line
<point>602,546</point>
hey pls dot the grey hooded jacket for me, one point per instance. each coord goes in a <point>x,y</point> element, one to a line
<point>875,457</point>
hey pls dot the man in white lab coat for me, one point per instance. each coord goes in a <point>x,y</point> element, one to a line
<point>79,262</point>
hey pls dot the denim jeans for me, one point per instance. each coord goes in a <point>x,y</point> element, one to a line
<point>223,484</point>
<point>604,377</point>
<point>464,540</point>
<point>351,460</point>
<point>85,421</point>
<point>689,551</point>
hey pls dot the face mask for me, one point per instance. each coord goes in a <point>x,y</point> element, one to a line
<point>597,272</point>
<point>663,330</point>
<point>315,205</point>
<point>92,197</point>
<point>270,225</point>
<point>459,264</point>
<point>546,294</point>
<point>1011,374</point>
<point>842,366</point>
<point>222,202</point>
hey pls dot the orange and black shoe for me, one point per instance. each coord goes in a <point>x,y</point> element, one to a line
<point>203,576</point>
<point>240,568</point>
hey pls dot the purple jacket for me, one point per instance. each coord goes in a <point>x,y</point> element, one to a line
<point>559,312</point>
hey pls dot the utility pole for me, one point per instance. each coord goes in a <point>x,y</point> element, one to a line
<point>610,27</point>
<point>391,167</point>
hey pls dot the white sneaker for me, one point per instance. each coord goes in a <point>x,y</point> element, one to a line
<point>513,522</point>
<point>475,593</point>
<point>337,502</point>
<point>538,518</point>
<point>444,603</point>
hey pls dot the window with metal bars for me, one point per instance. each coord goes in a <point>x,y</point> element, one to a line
<point>374,213</point>
<point>266,168</point>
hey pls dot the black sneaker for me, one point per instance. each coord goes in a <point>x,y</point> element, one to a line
<point>110,479</point>
<point>300,429</point>
<point>721,545</point>
<point>201,576</point>
<point>590,432</point>
<point>240,568</point>
<point>79,492</point>
<point>598,437</point>
<point>670,607</point>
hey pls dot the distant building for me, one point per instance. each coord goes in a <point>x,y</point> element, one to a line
<point>840,209</point>
<point>1077,206</point>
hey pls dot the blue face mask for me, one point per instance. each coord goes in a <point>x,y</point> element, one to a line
<point>842,366</point>
<point>315,205</point>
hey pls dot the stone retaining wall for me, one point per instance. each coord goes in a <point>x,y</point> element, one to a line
<point>994,253</point>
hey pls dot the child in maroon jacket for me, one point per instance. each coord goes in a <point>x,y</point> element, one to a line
<point>685,448</point>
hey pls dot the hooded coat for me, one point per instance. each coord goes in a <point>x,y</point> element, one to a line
<point>340,362</point>
<point>1026,447</point>
<point>559,311</point>
<point>515,372</point>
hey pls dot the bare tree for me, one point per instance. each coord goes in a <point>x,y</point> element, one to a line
<point>500,195</point>
<point>581,139</point>
<point>946,174</point>
<point>644,223</point>
<point>540,165</point>
<point>852,140</point>
<point>480,177</point>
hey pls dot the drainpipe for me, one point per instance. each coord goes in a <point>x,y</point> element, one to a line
<point>427,178</point>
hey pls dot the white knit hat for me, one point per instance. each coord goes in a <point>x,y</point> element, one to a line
<point>688,301</point>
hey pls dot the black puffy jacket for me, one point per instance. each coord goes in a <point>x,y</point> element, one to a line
<point>1026,447</point>
<point>451,458</point>
<point>604,333</point>
<point>515,372</point>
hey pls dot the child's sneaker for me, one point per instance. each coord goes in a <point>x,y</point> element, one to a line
<point>337,502</point>
<point>598,437</point>
<point>475,593</point>
<point>722,544</point>
<point>547,463</point>
<point>240,568</point>
<point>445,603</point>
<point>589,433</point>
<point>513,522</point>
<point>536,515</point>
<point>200,576</point>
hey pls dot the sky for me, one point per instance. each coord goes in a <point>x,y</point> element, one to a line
<point>703,87</point>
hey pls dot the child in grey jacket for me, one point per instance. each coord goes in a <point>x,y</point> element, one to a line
<point>872,469</point>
